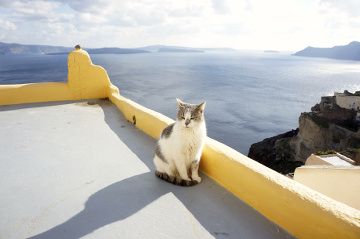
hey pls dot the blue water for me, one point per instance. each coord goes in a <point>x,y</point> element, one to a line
<point>250,95</point>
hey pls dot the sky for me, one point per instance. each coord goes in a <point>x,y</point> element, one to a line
<point>242,24</point>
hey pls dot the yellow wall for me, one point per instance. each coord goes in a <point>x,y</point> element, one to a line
<point>149,121</point>
<point>85,81</point>
<point>34,92</point>
<point>298,209</point>
<point>301,211</point>
<point>340,183</point>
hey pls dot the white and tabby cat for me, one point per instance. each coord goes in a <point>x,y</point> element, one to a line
<point>178,151</point>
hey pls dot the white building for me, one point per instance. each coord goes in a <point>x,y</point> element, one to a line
<point>348,101</point>
<point>334,175</point>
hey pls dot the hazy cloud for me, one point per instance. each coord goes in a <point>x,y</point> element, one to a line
<point>350,7</point>
<point>220,6</point>
<point>93,6</point>
<point>7,25</point>
<point>278,24</point>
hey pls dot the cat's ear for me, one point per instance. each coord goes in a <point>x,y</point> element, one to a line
<point>201,106</point>
<point>180,103</point>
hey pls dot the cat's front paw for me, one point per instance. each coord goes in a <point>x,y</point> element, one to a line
<point>187,183</point>
<point>197,179</point>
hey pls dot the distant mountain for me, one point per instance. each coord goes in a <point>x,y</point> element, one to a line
<point>218,49</point>
<point>170,49</point>
<point>17,49</point>
<point>271,51</point>
<point>105,50</point>
<point>347,52</point>
<point>152,48</point>
<point>115,50</point>
<point>165,48</point>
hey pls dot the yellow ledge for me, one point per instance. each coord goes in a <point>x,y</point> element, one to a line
<point>301,211</point>
<point>85,81</point>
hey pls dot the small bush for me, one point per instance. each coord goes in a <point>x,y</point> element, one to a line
<point>326,152</point>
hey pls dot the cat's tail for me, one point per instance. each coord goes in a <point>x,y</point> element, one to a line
<point>175,180</point>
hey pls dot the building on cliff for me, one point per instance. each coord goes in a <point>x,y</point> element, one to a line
<point>341,108</point>
<point>348,100</point>
<point>327,127</point>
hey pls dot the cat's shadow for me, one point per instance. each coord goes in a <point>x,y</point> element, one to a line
<point>110,204</point>
<point>122,199</point>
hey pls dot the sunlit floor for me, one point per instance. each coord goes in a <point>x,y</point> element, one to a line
<point>79,169</point>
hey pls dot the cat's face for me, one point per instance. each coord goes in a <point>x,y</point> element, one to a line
<point>190,115</point>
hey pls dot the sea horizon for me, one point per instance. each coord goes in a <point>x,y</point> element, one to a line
<point>251,95</point>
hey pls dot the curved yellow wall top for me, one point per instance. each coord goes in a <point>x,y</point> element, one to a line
<point>85,81</point>
<point>299,210</point>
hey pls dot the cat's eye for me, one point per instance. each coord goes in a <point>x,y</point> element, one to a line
<point>182,117</point>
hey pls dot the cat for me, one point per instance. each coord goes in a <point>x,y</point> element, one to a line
<point>178,151</point>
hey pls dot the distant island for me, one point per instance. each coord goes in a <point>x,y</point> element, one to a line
<point>105,50</point>
<point>114,50</point>
<point>169,49</point>
<point>17,49</point>
<point>350,51</point>
<point>165,48</point>
<point>271,51</point>
<point>21,49</point>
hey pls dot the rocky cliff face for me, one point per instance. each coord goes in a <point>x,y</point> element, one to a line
<point>276,152</point>
<point>323,129</point>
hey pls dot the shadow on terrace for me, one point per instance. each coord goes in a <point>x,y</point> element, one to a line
<point>219,212</point>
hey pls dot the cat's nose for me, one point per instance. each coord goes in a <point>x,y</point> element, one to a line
<point>187,122</point>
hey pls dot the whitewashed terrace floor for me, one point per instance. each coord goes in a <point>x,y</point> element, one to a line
<point>79,169</point>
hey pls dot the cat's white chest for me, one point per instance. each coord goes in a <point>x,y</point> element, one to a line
<point>192,141</point>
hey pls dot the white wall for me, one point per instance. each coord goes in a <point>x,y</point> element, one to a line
<point>348,102</point>
<point>339,183</point>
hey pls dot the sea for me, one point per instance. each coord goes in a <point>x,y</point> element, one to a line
<point>250,95</point>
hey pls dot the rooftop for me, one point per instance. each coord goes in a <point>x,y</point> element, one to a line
<point>337,160</point>
<point>73,169</point>
<point>80,169</point>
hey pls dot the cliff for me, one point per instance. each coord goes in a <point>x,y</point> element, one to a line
<point>326,127</point>
<point>350,51</point>
<point>275,153</point>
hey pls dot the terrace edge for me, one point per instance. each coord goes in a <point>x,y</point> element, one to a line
<point>298,209</point>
